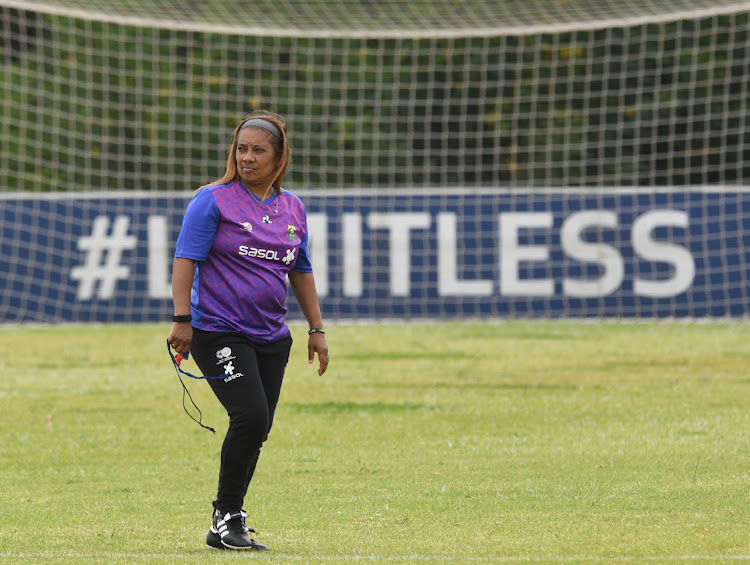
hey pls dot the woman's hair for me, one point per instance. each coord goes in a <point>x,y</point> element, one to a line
<point>281,145</point>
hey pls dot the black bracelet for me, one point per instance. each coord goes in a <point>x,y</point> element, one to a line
<point>182,319</point>
<point>316,331</point>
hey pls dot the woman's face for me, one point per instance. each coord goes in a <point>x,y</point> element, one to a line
<point>256,158</point>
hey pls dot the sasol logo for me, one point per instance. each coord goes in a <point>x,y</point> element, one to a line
<point>269,254</point>
<point>229,370</point>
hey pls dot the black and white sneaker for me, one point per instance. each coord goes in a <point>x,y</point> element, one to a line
<point>228,531</point>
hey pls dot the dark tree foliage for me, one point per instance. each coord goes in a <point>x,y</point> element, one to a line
<point>649,105</point>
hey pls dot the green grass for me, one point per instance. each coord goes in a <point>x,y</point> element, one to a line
<point>541,442</point>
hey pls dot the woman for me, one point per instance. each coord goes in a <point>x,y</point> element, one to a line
<point>242,236</point>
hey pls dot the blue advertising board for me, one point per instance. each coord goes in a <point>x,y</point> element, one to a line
<point>407,254</point>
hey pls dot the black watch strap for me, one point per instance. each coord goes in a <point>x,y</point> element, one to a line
<point>182,319</point>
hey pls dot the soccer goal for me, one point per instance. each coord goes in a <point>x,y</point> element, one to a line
<point>100,95</point>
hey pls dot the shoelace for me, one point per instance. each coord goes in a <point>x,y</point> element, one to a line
<point>247,528</point>
<point>241,515</point>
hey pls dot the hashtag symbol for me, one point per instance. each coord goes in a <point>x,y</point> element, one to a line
<point>103,257</point>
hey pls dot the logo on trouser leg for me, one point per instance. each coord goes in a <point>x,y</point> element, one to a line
<point>229,370</point>
<point>223,355</point>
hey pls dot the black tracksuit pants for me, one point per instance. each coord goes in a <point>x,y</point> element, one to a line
<point>249,392</point>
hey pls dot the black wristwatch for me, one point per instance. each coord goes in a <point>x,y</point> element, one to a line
<point>182,319</point>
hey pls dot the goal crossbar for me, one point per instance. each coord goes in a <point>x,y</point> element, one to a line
<point>367,31</point>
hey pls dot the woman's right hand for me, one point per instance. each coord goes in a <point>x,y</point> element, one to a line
<point>180,337</point>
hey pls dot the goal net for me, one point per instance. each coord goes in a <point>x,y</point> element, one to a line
<point>484,158</point>
<point>140,95</point>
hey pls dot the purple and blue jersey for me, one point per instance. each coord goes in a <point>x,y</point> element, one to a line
<point>243,251</point>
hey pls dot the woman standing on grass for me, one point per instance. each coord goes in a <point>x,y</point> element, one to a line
<point>241,237</point>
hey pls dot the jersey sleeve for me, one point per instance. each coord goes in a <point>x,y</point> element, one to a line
<point>303,264</point>
<point>199,227</point>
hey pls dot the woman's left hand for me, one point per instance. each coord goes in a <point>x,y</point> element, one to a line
<point>316,343</point>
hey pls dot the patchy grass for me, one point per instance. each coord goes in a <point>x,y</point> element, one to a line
<point>540,442</point>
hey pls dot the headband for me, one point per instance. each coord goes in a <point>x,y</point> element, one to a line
<point>266,125</point>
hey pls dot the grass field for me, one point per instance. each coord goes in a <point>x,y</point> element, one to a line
<point>468,442</point>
